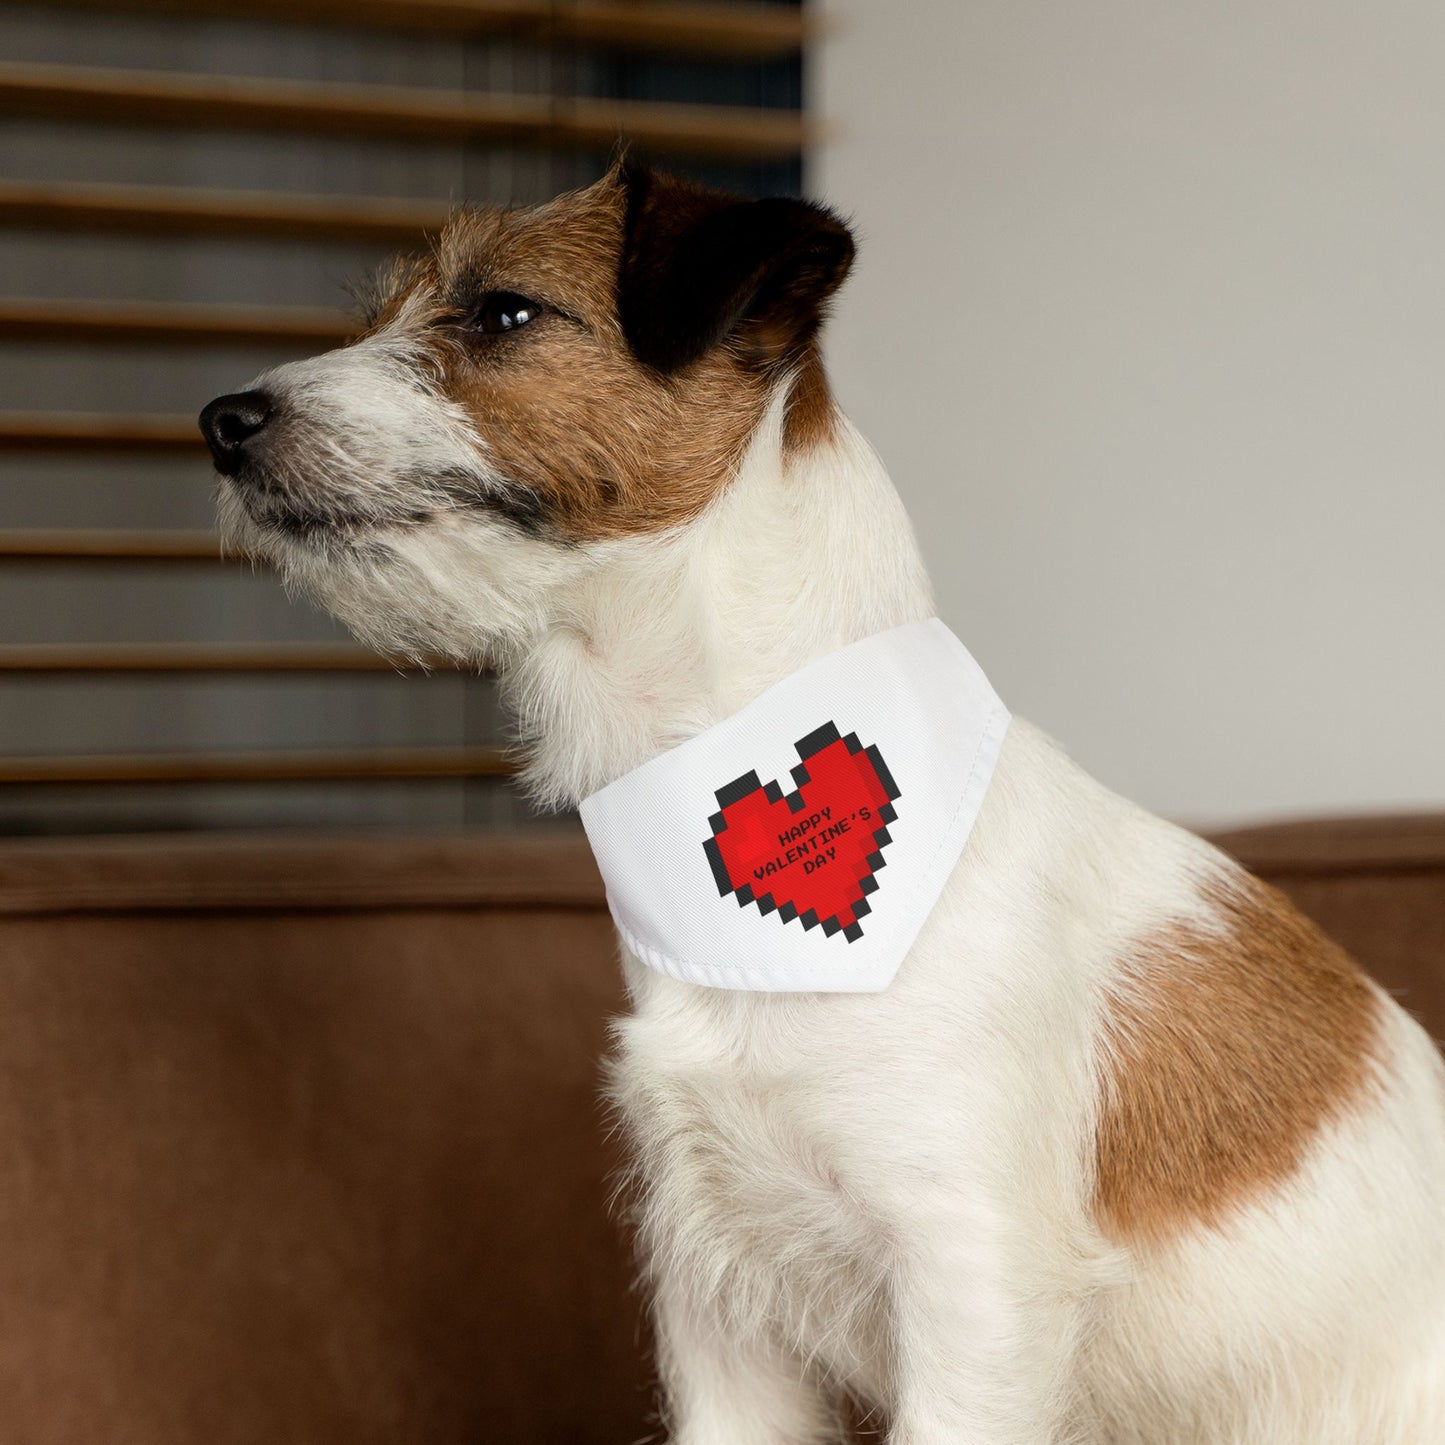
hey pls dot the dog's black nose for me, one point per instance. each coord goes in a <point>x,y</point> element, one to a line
<point>229,422</point>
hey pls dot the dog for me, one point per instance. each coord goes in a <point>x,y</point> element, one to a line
<point>1127,1152</point>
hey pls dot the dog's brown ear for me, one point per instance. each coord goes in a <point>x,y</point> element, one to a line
<point>699,266</point>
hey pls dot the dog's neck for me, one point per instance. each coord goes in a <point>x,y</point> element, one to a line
<point>804,552</point>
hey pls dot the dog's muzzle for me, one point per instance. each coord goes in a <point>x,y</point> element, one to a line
<point>232,422</point>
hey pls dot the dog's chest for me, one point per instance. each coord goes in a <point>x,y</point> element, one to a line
<point>746,1184</point>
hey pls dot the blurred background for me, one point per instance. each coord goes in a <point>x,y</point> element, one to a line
<point>187,193</point>
<point>1147,323</point>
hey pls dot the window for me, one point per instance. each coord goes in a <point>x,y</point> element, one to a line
<point>185,193</point>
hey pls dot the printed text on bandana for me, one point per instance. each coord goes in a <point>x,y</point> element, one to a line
<point>812,854</point>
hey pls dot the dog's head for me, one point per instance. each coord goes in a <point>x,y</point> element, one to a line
<point>544,384</point>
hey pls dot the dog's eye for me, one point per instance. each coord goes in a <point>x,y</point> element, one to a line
<point>504,311</point>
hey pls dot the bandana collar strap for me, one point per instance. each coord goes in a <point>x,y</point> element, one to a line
<point>800,845</point>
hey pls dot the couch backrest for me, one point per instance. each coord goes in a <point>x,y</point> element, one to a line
<point>302,1142</point>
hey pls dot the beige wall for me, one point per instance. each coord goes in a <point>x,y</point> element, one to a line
<point>1149,324</point>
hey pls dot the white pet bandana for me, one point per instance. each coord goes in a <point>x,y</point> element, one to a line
<point>717,877</point>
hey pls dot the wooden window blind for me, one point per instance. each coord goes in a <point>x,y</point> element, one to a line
<point>185,188</point>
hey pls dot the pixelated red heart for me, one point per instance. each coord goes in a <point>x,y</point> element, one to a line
<point>812,854</point>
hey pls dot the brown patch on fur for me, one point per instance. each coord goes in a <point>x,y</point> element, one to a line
<point>595,442</point>
<point>1227,1053</point>
<point>605,445</point>
<point>811,418</point>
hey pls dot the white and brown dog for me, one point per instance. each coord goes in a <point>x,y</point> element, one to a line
<point>1128,1152</point>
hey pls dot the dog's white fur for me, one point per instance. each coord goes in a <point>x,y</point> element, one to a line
<point>890,1194</point>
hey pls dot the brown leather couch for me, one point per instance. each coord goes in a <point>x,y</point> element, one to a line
<point>302,1142</point>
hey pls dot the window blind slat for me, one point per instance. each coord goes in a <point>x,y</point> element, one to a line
<point>83,431</point>
<point>710,29</point>
<point>218,102</point>
<point>171,323</point>
<point>271,766</point>
<point>186,657</point>
<point>172,211</point>
<point>81,544</point>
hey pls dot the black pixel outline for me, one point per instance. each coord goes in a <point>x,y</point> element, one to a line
<point>733,792</point>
